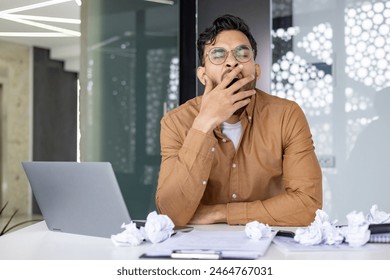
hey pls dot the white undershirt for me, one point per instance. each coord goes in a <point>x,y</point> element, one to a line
<point>233,131</point>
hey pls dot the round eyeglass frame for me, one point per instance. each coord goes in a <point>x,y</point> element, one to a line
<point>235,50</point>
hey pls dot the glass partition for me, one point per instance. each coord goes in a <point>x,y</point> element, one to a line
<point>332,57</point>
<point>131,75</point>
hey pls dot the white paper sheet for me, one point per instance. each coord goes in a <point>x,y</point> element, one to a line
<point>231,244</point>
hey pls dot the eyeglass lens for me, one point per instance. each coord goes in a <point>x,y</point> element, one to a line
<point>242,53</point>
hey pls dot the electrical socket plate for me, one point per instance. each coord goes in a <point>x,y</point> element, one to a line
<point>327,161</point>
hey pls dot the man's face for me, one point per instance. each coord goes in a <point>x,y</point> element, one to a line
<point>229,40</point>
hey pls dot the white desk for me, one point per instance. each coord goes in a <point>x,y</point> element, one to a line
<point>36,242</point>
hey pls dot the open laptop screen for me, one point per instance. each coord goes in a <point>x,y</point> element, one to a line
<point>80,198</point>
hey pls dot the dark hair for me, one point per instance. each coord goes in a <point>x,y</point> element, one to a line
<point>225,22</point>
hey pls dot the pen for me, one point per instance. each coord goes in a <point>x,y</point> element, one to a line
<point>285,233</point>
<point>196,254</point>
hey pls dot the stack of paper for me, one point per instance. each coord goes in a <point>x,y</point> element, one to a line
<point>224,244</point>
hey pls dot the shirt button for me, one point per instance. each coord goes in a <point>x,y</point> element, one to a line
<point>212,149</point>
<point>223,140</point>
<point>234,196</point>
<point>234,165</point>
<point>204,182</point>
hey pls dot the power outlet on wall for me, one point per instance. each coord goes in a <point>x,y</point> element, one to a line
<point>327,161</point>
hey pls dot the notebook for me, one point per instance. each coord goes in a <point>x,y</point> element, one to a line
<point>80,198</point>
<point>380,238</point>
<point>380,233</point>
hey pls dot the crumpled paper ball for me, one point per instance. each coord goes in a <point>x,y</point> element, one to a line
<point>356,233</point>
<point>331,234</point>
<point>131,236</point>
<point>377,217</point>
<point>320,231</point>
<point>321,217</point>
<point>310,235</point>
<point>256,230</point>
<point>157,227</point>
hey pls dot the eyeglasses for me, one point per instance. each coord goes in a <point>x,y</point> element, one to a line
<point>218,55</point>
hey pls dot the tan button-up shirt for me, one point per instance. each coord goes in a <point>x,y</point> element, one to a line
<point>273,177</point>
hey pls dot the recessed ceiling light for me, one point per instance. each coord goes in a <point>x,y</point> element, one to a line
<point>50,19</point>
<point>34,6</point>
<point>34,21</point>
<point>168,2</point>
<point>41,25</point>
<point>32,34</point>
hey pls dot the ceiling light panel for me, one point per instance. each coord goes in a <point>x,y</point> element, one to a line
<point>39,17</point>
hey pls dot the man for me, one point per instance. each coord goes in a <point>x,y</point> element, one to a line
<point>236,154</point>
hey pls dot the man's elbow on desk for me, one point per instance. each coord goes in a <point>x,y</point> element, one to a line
<point>312,205</point>
<point>204,214</point>
<point>179,218</point>
<point>305,217</point>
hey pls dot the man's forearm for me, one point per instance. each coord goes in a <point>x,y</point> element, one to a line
<point>295,208</point>
<point>210,214</point>
<point>184,175</point>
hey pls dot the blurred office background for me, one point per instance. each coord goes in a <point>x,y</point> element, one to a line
<point>91,83</point>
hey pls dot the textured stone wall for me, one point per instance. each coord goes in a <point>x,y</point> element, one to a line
<point>16,126</point>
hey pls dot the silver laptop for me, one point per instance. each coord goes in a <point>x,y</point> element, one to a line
<point>80,198</point>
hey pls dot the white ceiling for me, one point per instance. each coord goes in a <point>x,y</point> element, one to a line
<point>65,43</point>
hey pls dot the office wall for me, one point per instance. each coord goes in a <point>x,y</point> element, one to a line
<point>54,109</point>
<point>16,125</point>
